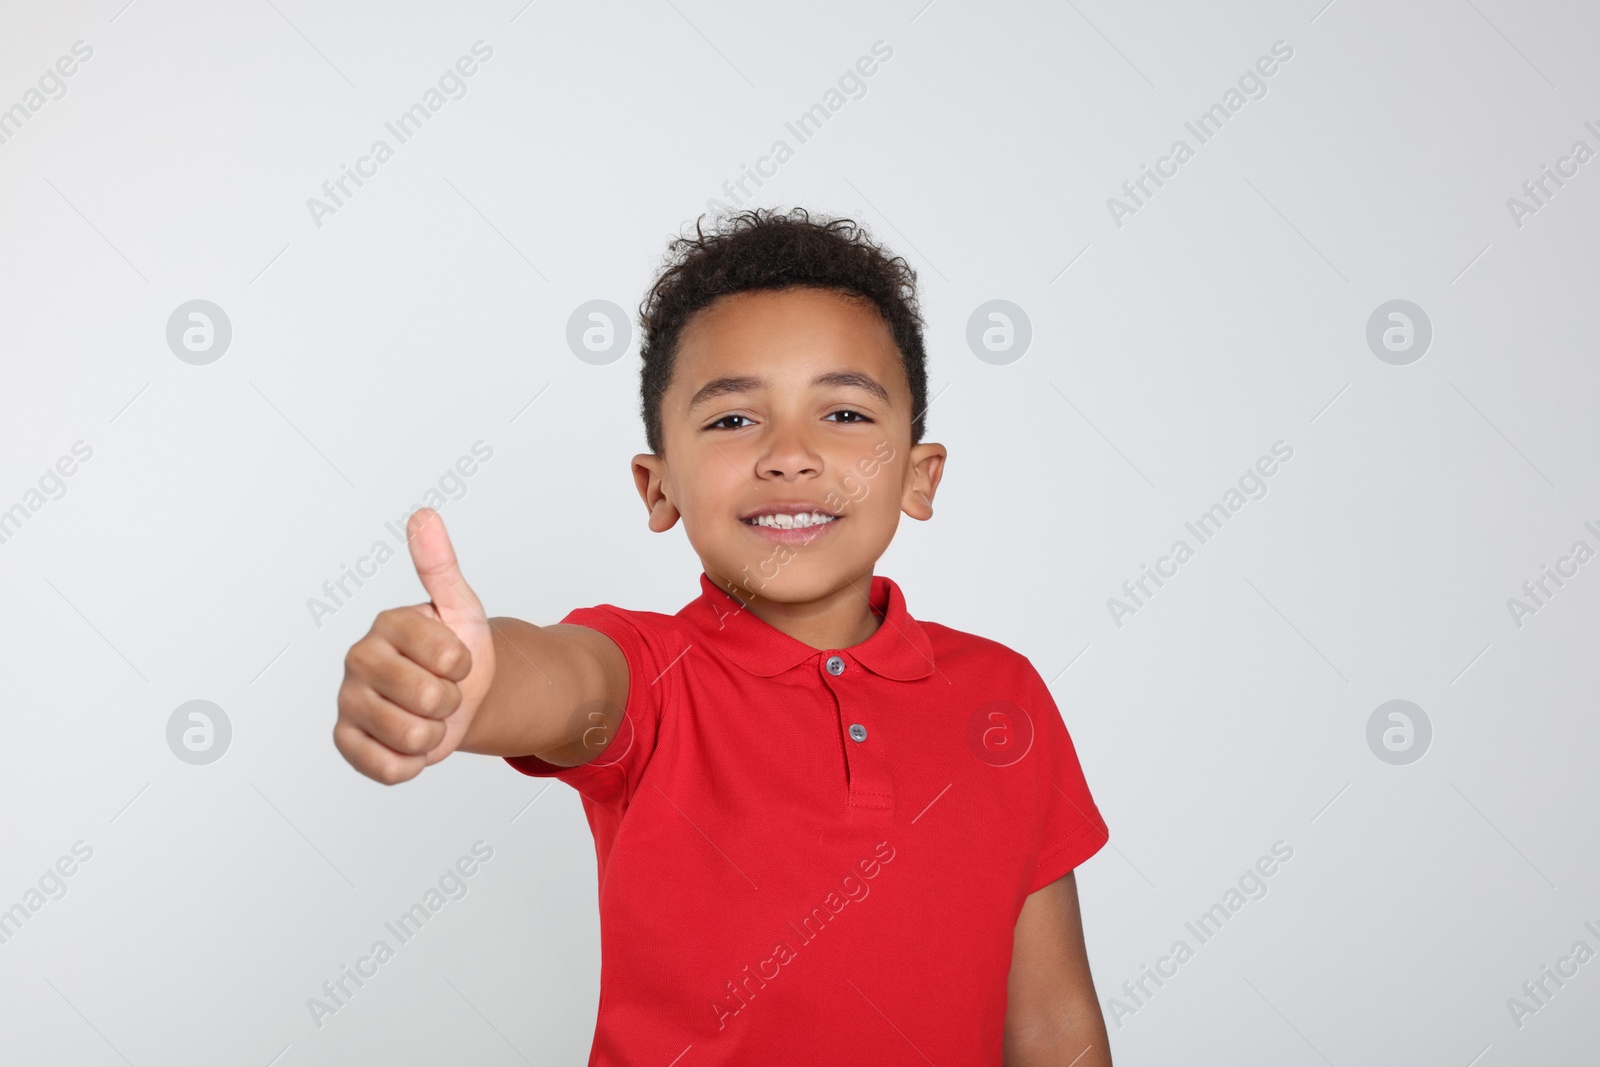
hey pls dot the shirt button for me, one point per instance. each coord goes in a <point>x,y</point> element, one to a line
<point>858,732</point>
<point>835,666</point>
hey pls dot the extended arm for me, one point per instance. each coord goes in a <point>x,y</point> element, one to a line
<point>558,693</point>
<point>432,678</point>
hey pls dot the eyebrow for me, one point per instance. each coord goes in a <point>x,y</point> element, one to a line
<point>747,383</point>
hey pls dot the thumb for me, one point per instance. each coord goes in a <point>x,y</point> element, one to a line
<point>435,560</point>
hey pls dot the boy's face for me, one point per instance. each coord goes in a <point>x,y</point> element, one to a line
<point>791,401</point>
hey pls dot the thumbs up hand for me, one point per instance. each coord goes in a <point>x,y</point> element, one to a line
<point>413,684</point>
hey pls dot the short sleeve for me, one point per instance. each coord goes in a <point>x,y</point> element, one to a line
<point>1072,829</point>
<point>611,776</point>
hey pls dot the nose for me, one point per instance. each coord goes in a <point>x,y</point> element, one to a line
<point>788,455</point>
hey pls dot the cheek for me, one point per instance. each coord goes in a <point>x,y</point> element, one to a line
<point>699,508</point>
<point>708,499</point>
<point>874,489</point>
<point>888,478</point>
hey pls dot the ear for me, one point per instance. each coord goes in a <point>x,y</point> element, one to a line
<point>649,475</point>
<point>922,480</point>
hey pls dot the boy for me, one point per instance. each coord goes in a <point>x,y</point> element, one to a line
<point>826,831</point>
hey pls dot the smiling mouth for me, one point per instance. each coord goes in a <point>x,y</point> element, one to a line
<point>802,520</point>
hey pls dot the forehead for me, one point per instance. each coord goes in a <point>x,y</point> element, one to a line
<point>786,335</point>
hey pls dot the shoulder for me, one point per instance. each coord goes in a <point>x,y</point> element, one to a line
<point>646,634</point>
<point>644,620</point>
<point>962,651</point>
<point>987,673</point>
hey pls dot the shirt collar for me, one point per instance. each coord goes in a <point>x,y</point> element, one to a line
<point>899,648</point>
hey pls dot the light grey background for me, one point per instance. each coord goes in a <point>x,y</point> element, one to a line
<point>430,312</point>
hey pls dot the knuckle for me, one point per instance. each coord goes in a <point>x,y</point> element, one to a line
<point>354,705</point>
<point>431,695</point>
<point>368,757</point>
<point>390,625</point>
<point>452,658</point>
<point>414,738</point>
<point>391,770</point>
<point>434,734</point>
<point>358,662</point>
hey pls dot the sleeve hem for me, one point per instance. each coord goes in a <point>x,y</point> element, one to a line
<point>533,765</point>
<point>1070,854</point>
<point>602,620</point>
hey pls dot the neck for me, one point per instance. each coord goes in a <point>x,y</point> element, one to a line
<point>840,619</point>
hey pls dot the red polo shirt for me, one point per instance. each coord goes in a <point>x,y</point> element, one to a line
<point>812,856</point>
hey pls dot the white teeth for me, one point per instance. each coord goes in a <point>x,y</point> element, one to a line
<point>791,522</point>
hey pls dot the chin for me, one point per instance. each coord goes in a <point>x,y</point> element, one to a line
<point>798,581</point>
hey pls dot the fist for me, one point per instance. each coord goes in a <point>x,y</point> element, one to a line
<point>414,682</point>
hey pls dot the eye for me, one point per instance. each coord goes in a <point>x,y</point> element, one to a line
<point>847,411</point>
<point>719,423</point>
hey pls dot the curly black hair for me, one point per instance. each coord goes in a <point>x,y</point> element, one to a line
<point>766,249</point>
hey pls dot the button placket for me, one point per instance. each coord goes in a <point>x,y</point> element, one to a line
<point>870,795</point>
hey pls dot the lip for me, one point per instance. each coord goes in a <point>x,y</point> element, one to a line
<point>794,536</point>
<point>773,535</point>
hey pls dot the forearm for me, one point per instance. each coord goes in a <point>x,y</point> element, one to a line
<point>544,676</point>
